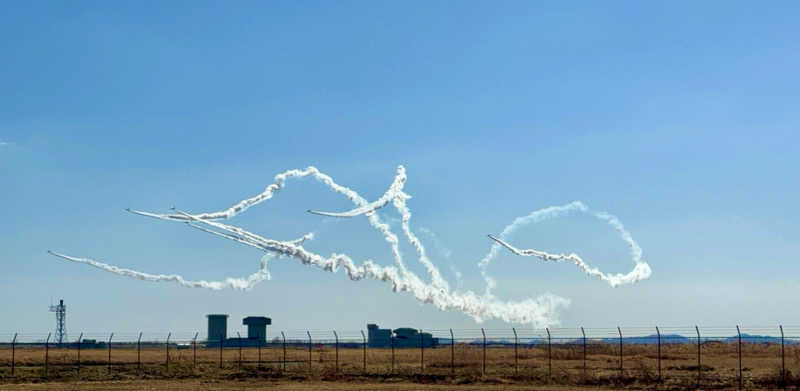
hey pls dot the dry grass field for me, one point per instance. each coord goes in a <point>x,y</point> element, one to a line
<point>761,368</point>
<point>283,385</point>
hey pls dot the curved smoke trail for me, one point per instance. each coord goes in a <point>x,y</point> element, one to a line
<point>539,312</point>
<point>640,271</point>
<point>532,218</point>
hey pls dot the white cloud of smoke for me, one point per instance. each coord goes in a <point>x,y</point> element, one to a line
<point>539,311</point>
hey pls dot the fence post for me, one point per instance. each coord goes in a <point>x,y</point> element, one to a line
<point>239,338</point>
<point>139,352</point>
<point>336,336</point>
<point>783,360</point>
<point>516,353</point>
<point>658,333</point>
<point>392,339</point>
<point>221,342</point>
<point>452,353</point>
<point>194,349</point>
<point>167,362</point>
<point>309,350</point>
<point>46,353</point>
<point>699,365</point>
<point>549,356</point>
<point>283,336</point>
<point>110,337</point>
<point>483,371</point>
<point>619,330</point>
<point>259,353</point>
<point>13,352</point>
<point>364,337</point>
<point>79,352</point>
<point>584,351</point>
<point>739,350</point>
<point>421,353</point>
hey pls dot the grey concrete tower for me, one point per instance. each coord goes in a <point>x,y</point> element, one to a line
<point>217,327</point>
<point>257,327</point>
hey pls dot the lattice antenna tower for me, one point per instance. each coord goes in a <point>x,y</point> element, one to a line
<point>61,321</point>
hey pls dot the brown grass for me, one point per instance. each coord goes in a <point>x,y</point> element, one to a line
<point>719,369</point>
<point>284,385</point>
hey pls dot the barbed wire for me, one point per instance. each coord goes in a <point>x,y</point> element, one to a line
<point>629,335</point>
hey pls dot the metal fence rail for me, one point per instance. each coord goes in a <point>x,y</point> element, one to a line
<point>736,355</point>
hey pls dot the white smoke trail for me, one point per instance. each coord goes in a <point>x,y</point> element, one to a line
<point>443,250</point>
<point>396,195</point>
<point>640,271</point>
<point>540,311</point>
<point>280,181</point>
<point>446,253</point>
<point>532,218</point>
<point>235,283</point>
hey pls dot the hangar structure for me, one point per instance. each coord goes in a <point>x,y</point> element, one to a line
<point>404,337</point>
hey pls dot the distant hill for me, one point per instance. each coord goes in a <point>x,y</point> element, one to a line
<point>653,339</point>
<point>751,338</point>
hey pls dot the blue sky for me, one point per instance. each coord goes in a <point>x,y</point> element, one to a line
<point>679,118</point>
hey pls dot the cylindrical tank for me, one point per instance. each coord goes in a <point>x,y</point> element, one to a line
<point>217,327</point>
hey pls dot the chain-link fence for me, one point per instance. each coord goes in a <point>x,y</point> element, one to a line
<point>687,356</point>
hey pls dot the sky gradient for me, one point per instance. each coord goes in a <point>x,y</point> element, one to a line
<point>680,118</point>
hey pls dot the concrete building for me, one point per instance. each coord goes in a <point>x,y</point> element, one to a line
<point>257,327</point>
<point>218,331</point>
<point>377,337</point>
<point>404,337</point>
<point>411,338</point>
<point>217,327</point>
